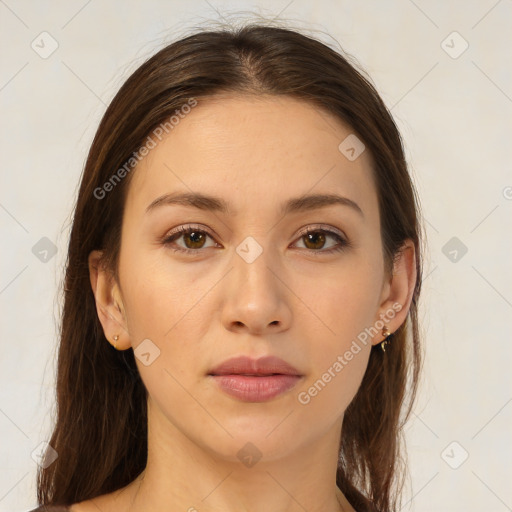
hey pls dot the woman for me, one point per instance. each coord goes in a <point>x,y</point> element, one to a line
<point>240,318</point>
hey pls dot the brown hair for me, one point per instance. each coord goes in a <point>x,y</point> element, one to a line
<point>101,432</point>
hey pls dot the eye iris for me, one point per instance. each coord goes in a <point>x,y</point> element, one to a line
<point>315,237</point>
<point>193,235</point>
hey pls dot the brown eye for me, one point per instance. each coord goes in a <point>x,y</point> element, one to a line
<point>194,239</point>
<point>315,239</point>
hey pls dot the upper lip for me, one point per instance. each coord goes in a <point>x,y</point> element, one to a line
<point>244,365</point>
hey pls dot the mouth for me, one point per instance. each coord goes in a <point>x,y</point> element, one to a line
<point>255,380</point>
<point>256,388</point>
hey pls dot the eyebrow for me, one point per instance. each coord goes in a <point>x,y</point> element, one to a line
<point>216,204</point>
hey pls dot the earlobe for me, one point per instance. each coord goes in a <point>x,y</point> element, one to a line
<point>398,291</point>
<point>109,304</point>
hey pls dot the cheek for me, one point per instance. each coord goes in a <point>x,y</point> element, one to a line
<point>169,307</point>
<point>328,392</point>
<point>338,358</point>
<point>164,307</point>
<point>343,301</point>
<point>339,348</point>
<point>156,298</point>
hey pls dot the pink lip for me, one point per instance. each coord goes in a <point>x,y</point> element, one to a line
<point>255,380</point>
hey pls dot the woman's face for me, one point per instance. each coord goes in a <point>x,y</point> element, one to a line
<point>247,280</point>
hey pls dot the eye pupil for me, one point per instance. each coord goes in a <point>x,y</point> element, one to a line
<point>194,235</point>
<point>316,237</point>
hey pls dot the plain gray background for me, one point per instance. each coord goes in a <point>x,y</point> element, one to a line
<point>443,68</point>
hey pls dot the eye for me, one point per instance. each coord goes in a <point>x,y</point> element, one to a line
<point>195,238</point>
<point>315,239</point>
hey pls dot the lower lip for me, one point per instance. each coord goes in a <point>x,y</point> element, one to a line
<point>256,389</point>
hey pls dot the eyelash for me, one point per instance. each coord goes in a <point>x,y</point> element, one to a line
<point>177,233</point>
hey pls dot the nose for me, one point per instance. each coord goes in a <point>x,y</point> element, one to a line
<point>257,298</point>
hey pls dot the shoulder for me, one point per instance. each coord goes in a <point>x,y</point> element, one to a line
<point>51,508</point>
<point>100,503</point>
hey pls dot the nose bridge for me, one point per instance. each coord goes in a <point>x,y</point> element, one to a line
<point>253,263</point>
<point>256,296</point>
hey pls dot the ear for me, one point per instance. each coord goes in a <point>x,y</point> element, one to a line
<point>109,304</point>
<point>397,290</point>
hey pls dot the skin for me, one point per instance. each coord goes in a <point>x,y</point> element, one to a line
<point>200,309</point>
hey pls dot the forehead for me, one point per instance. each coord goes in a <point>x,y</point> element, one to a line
<point>253,149</point>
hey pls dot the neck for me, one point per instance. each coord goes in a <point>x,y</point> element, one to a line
<point>181,475</point>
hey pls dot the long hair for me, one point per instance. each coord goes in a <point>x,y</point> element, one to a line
<point>100,433</point>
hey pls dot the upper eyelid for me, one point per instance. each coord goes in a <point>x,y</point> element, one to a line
<point>180,230</point>
<point>321,227</point>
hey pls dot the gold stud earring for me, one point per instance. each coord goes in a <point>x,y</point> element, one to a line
<point>386,335</point>
<point>116,337</point>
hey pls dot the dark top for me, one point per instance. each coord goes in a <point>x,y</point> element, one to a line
<point>60,508</point>
<point>51,508</point>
